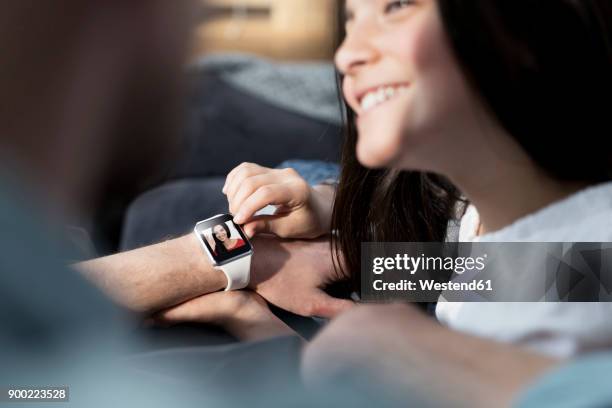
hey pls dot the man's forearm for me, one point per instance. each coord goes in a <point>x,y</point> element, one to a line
<point>155,277</point>
<point>287,273</point>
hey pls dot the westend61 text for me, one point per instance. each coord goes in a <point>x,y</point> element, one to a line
<point>405,285</point>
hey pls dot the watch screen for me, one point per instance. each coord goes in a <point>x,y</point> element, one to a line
<point>223,239</point>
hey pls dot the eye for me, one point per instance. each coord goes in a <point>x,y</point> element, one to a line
<point>396,5</point>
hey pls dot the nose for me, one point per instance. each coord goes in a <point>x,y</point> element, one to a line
<point>356,51</point>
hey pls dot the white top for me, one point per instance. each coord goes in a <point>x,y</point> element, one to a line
<point>555,329</point>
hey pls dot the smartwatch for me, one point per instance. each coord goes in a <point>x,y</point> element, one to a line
<point>227,247</point>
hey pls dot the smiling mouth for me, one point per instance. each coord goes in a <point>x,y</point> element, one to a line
<point>380,95</point>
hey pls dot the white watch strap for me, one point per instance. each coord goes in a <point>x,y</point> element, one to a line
<point>237,272</point>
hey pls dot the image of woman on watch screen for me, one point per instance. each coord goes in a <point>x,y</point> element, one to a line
<point>220,239</point>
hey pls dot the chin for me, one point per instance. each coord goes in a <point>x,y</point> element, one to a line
<point>379,141</point>
<point>373,157</point>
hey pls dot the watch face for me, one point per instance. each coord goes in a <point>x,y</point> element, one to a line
<point>223,239</point>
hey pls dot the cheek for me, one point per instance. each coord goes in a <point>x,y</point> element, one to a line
<point>412,44</point>
<point>440,87</point>
<point>440,103</point>
<point>382,137</point>
<point>397,127</point>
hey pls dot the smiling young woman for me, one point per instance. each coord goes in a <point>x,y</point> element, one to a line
<point>504,99</point>
<point>379,85</point>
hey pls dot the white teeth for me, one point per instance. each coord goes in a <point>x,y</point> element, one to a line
<point>382,94</point>
<point>369,101</point>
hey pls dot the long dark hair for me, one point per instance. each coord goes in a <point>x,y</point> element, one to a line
<point>385,206</point>
<point>543,68</point>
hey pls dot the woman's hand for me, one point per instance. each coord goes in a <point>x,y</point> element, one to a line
<point>302,211</point>
<point>244,314</point>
